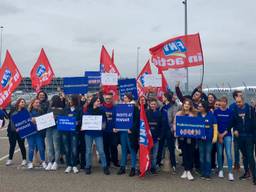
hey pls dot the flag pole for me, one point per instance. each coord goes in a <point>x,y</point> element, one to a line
<point>1,44</point>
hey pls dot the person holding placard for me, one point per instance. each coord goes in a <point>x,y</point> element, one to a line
<point>205,144</point>
<point>70,138</point>
<point>129,139</point>
<point>95,110</point>
<point>53,136</point>
<point>14,136</point>
<point>35,141</point>
<point>188,145</point>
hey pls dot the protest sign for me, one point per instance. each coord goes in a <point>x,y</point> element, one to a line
<point>45,121</point>
<point>124,116</point>
<point>91,122</point>
<point>66,123</point>
<point>128,86</point>
<point>75,85</point>
<point>153,80</point>
<point>94,79</point>
<point>109,78</point>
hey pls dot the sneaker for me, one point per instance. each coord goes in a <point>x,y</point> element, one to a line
<point>173,170</point>
<point>106,171</point>
<point>88,171</point>
<point>30,165</point>
<point>207,178</point>
<point>54,166</point>
<point>121,171</point>
<point>23,163</point>
<point>202,177</point>
<point>221,174</point>
<point>44,165</point>
<point>8,162</point>
<point>245,176</point>
<point>184,175</point>
<point>189,176</point>
<point>132,172</point>
<point>75,170</point>
<point>68,169</point>
<point>230,177</point>
<point>49,166</point>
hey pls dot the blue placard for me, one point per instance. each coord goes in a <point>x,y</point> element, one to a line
<point>124,116</point>
<point>65,123</point>
<point>191,127</point>
<point>128,86</point>
<point>75,85</point>
<point>23,124</point>
<point>94,80</point>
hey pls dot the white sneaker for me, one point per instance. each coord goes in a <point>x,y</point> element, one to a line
<point>30,165</point>
<point>221,174</point>
<point>23,163</point>
<point>8,162</point>
<point>68,169</point>
<point>54,166</point>
<point>189,176</point>
<point>75,170</point>
<point>184,175</point>
<point>49,166</point>
<point>44,165</point>
<point>230,177</point>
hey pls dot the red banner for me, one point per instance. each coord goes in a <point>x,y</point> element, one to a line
<point>42,73</point>
<point>107,63</point>
<point>178,52</point>
<point>10,79</point>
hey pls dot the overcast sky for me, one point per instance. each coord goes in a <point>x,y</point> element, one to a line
<point>72,32</point>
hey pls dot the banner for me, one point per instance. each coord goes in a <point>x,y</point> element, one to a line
<point>107,63</point>
<point>10,78</point>
<point>146,143</point>
<point>191,127</point>
<point>75,85</point>
<point>109,79</point>
<point>94,80</point>
<point>42,73</point>
<point>153,80</point>
<point>178,52</point>
<point>128,86</point>
<point>23,124</point>
<point>45,121</point>
<point>124,116</point>
<point>66,123</point>
<point>91,122</point>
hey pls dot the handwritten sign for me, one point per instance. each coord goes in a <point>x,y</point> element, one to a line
<point>153,80</point>
<point>109,78</point>
<point>45,121</point>
<point>91,122</point>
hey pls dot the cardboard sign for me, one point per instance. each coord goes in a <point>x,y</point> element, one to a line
<point>45,121</point>
<point>75,85</point>
<point>91,122</point>
<point>109,78</point>
<point>128,86</point>
<point>65,123</point>
<point>23,124</point>
<point>124,116</point>
<point>153,80</point>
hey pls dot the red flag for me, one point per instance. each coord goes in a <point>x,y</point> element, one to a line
<point>164,88</point>
<point>178,52</point>
<point>42,73</point>
<point>112,58</point>
<point>146,143</point>
<point>140,79</point>
<point>107,63</point>
<point>10,77</point>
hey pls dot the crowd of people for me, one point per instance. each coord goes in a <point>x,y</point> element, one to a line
<point>225,126</point>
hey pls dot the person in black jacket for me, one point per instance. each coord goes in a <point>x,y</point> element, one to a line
<point>154,120</point>
<point>244,128</point>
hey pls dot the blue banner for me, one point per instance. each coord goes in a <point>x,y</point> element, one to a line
<point>94,80</point>
<point>66,123</point>
<point>23,124</point>
<point>128,86</point>
<point>191,127</point>
<point>124,116</point>
<point>75,85</point>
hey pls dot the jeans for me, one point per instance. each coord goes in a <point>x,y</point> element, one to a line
<point>99,145</point>
<point>188,148</point>
<point>13,138</point>
<point>227,142</point>
<point>36,142</point>
<point>70,146</point>
<point>81,149</point>
<point>110,141</point>
<point>125,145</point>
<point>53,142</point>
<point>205,150</point>
<point>154,151</point>
<point>246,147</point>
<point>236,151</point>
<point>170,140</point>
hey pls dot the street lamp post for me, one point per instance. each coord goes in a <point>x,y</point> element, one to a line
<point>138,61</point>
<point>1,44</point>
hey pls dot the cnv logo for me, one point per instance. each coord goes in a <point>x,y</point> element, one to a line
<point>143,135</point>
<point>6,78</point>
<point>142,78</point>
<point>176,47</point>
<point>41,70</point>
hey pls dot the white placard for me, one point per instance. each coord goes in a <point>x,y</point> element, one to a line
<point>109,78</point>
<point>92,122</point>
<point>153,80</point>
<point>1,123</point>
<point>45,121</point>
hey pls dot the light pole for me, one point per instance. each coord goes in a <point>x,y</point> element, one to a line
<point>1,44</point>
<point>138,61</point>
<point>186,32</point>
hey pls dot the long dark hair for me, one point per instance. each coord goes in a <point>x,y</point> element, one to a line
<point>18,102</point>
<point>93,100</point>
<point>56,102</point>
